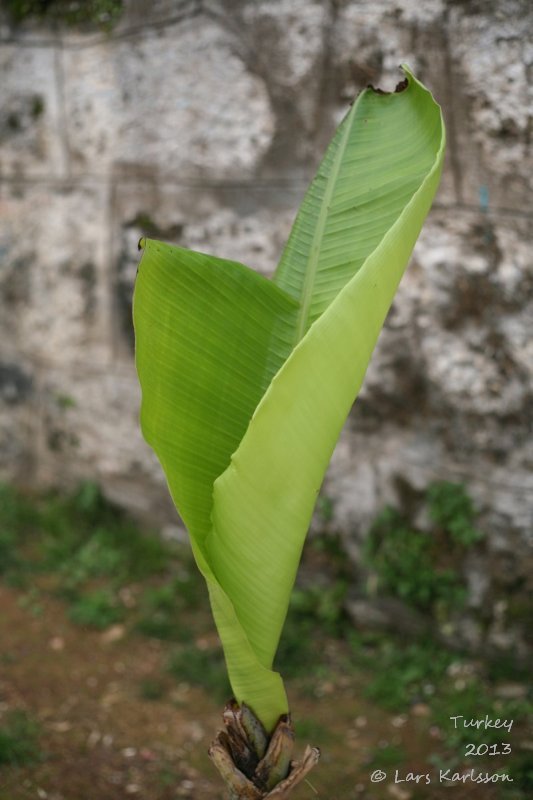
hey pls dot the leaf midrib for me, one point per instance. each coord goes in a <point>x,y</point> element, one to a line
<point>312,267</point>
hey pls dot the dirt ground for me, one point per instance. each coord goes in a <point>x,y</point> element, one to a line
<point>102,739</point>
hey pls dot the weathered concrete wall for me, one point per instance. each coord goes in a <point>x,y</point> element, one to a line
<point>201,123</point>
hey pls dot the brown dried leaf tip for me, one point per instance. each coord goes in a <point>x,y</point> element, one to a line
<point>400,87</point>
<point>253,765</point>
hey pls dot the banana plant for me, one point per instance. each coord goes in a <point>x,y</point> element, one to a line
<point>246,383</point>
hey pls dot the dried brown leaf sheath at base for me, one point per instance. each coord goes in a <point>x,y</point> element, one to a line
<point>235,753</point>
<point>299,769</point>
<point>238,784</point>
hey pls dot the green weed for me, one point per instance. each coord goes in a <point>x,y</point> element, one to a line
<point>97,557</point>
<point>91,549</point>
<point>521,771</point>
<point>388,756</point>
<point>404,561</point>
<point>452,510</point>
<point>331,546</point>
<point>9,561</point>
<point>19,740</point>
<point>424,568</point>
<point>152,689</point>
<point>103,13</point>
<point>504,667</point>
<point>163,625</point>
<point>203,668</point>
<point>163,607</point>
<point>31,601</point>
<point>322,605</point>
<point>16,517</point>
<point>168,776</point>
<point>78,538</point>
<point>325,508</point>
<point>15,510</point>
<point>401,674</point>
<point>98,609</point>
<point>86,536</point>
<point>310,730</point>
<point>65,401</point>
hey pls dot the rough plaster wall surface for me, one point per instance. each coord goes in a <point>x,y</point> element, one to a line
<point>201,123</point>
<point>122,104</point>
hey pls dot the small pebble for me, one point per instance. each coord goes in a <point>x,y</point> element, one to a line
<point>420,710</point>
<point>113,634</point>
<point>398,792</point>
<point>511,691</point>
<point>93,738</point>
<point>61,727</point>
<point>399,721</point>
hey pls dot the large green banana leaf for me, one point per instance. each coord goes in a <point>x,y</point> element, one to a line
<point>246,382</point>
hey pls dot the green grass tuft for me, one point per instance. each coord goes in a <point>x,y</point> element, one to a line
<point>98,609</point>
<point>19,740</point>
<point>205,668</point>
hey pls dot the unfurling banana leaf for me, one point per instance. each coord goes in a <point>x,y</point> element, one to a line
<point>246,382</point>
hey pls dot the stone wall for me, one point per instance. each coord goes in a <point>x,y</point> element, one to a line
<point>201,123</point>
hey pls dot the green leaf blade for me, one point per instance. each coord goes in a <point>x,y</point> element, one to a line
<point>378,158</point>
<point>248,677</point>
<point>210,335</point>
<point>264,501</point>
